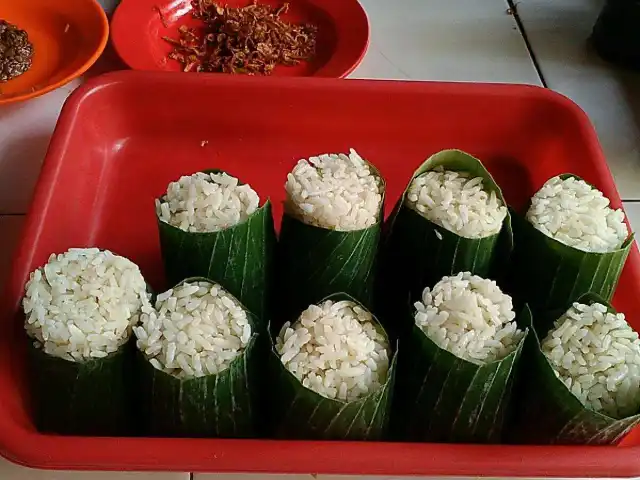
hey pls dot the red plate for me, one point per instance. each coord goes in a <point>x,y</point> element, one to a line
<point>122,137</point>
<point>138,26</point>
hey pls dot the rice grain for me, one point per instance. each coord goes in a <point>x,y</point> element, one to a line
<point>574,213</point>
<point>335,350</point>
<point>470,317</point>
<point>82,304</point>
<point>458,202</point>
<point>334,191</point>
<point>604,375</point>
<point>206,202</point>
<point>196,329</point>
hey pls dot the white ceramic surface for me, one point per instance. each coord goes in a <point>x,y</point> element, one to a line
<point>558,31</point>
<point>9,471</point>
<point>446,40</point>
<point>25,130</point>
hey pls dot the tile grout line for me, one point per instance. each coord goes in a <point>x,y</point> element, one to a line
<point>513,10</point>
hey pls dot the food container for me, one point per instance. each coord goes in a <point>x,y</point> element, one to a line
<point>122,137</point>
<point>615,33</point>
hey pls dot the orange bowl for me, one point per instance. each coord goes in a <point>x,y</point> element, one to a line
<point>68,36</point>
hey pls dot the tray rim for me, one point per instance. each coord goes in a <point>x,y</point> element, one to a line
<point>32,449</point>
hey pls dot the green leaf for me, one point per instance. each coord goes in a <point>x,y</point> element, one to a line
<point>443,398</point>
<point>82,398</point>
<point>239,258</point>
<point>550,413</point>
<point>417,253</point>
<point>315,262</point>
<point>300,413</point>
<point>549,274</point>
<point>223,405</point>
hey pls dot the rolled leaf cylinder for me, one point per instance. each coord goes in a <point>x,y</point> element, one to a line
<point>239,258</point>
<point>443,398</point>
<point>418,253</point>
<point>549,275</point>
<point>300,413</point>
<point>82,398</point>
<point>549,413</point>
<point>315,262</point>
<point>225,405</point>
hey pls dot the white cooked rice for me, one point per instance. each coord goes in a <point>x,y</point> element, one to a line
<point>82,304</point>
<point>335,350</point>
<point>573,212</point>
<point>597,356</point>
<point>470,317</point>
<point>457,202</point>
<point>207,202</point>
<point>196,329</point>
<point>334,191</point>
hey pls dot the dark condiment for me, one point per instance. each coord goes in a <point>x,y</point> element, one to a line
<point>16,52</point>
<point>251,40</point>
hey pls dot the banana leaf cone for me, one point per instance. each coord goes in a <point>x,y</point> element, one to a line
<point>441,397</point>
<point>548,274</point>
<point>417,252</point>
<point>300,413</point>
<point>239,258</point>
<point>548,413</point>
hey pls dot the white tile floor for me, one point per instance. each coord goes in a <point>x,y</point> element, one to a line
<point>558,32</point>
<point>215,476</point>
<point>25,130</point>
<point>9,471</point>
<point>448,40</point>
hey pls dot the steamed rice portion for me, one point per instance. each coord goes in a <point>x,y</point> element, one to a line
<point>573,212</point>
<point>597,356</point>
<point>207,202</point>
<point>196,329</point>
<point>458,202</point>
<point>82,304</point>
<point>470,317</point>
<point>335,350</point>
<point>334,191</point>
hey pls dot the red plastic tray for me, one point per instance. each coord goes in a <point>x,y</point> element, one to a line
<point>122,137</point>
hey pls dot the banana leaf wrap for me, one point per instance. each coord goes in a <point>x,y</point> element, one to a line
<point>417,252</point>
<point>549,413</point>
<point>82,398</point>
<point>443,398</point>
<point>224,405</point>
<point>300,413</point>
<point>239,258</point>
<point>549,274</point>
<point>315,262</point>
